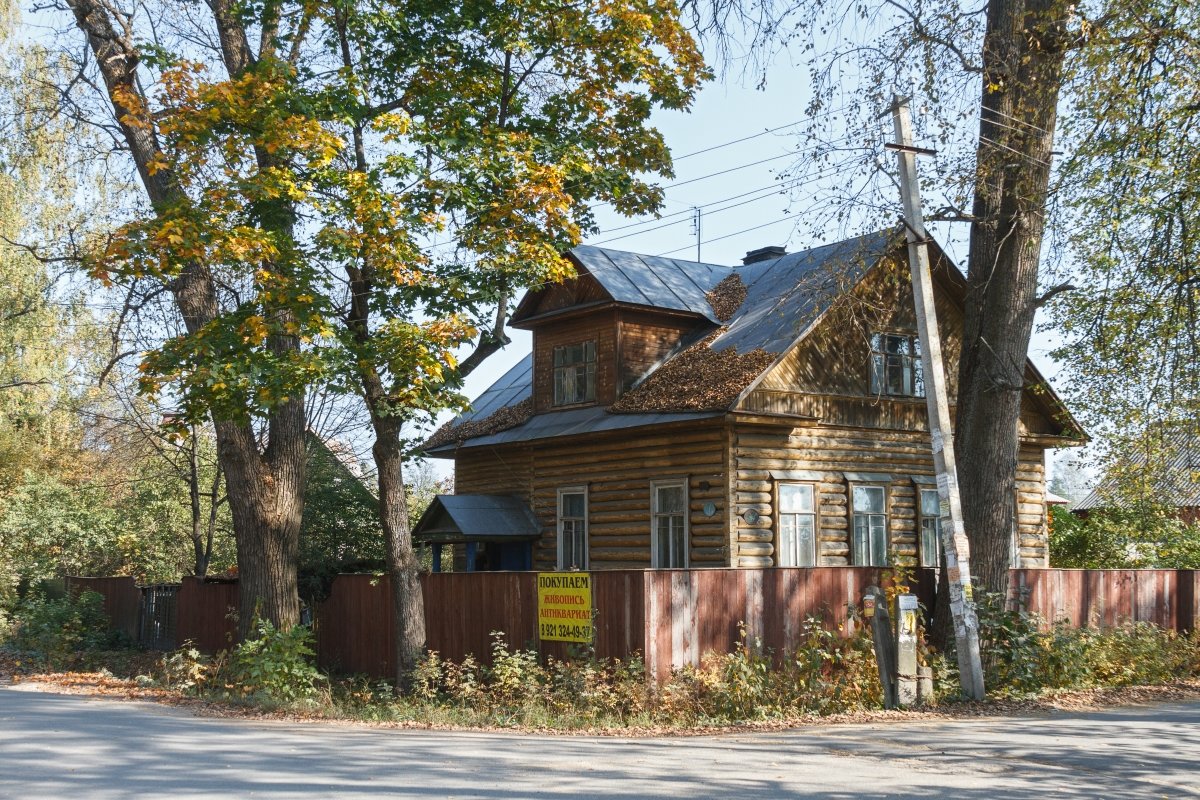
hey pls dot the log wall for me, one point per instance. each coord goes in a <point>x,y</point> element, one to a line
<point>829,458</point>
<point>618,477</point>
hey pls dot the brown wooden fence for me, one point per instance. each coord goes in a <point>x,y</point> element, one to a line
<point>671,617</point>
<point>122,601</point>
<point>1109,597</point>
<point>206,613</point>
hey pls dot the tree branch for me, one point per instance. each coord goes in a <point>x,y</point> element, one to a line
<point>489,342</point>
<point>1051,293</point>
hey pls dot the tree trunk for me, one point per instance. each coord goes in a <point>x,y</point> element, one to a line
<point>1023,60</point>
<point>408,603</point>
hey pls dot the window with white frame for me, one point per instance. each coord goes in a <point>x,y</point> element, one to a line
<point>896,365</point>
<point>797,542</point>
<point>572,528</point>
<point>869,529</point>
<point>668,535</point>
<point>574,373</point>
<point>931,528</point>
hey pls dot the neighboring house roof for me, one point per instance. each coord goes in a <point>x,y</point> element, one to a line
<point>1177,484</point>
<point>784,297</point>
<point>476,517</point>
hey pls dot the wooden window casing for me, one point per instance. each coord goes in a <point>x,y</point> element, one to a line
<point>575,373</point>
<point>895,365</point>
<point>870,531</point>
<point>797,524</point>
<point>669,527</point>
<point>929,527</point>
<point>572,527</point>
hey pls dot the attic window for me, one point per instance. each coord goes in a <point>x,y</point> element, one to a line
<point>575,374</point>
<point>896,365</point>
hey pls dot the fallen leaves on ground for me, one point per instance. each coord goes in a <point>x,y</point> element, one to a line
<point>102,684</point>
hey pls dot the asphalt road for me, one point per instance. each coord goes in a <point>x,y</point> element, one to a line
<point>59,746</point>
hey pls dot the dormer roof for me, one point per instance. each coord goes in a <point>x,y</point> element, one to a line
<point>632,279</point>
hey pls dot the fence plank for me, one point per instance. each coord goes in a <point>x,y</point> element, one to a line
<point>205,613</point>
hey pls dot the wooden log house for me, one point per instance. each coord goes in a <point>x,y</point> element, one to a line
<point>679,414</point>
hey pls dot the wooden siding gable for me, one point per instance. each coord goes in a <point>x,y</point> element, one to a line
<point>825,373</point>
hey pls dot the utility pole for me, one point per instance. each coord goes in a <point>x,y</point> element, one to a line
<point>696,229</point>
<point>954,535</point>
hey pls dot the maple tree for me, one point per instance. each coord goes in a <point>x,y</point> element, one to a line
<point>355,199</point>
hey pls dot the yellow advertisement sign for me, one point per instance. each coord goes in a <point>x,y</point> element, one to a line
<point>564,606</point>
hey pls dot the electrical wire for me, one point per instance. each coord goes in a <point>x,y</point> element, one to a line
<point>775,190</point>
<point>727,236</point>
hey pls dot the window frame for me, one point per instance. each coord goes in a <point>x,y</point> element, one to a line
<point>877,380</point>
<point>922,518</point>
<point>589,371</point>
<point>816,516</point>
<point>887,525</point>
<point>655,486</point>
<point>558,524</point>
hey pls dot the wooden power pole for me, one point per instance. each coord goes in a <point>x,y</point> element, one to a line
<point>954,536</point>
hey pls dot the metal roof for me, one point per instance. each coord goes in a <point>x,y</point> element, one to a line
<point>592,419</point>
<point>479,517</point>
<point>512,387</point>
<point>667,283</point>
<point>1176,485</point>
<point>784,295</point>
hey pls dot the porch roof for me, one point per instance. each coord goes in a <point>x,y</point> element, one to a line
<point>476,518</point>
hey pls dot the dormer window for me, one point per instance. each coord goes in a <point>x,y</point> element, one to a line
<point>575,374</point>
<point>896,365</point>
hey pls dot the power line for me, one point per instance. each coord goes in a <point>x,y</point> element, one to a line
<point>825,113</point>
<point>729,235</point>
<point>775,189</point>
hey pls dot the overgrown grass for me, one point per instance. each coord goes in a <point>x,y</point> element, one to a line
<point>1025,657</point>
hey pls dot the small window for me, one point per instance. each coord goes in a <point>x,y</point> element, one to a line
<point>869,548</point>
<point>797,543</point>
<point>931,529</point>
<point>896,365</point>
<point>575,374</point>
<point>668,537</point>
<point>572,528</point>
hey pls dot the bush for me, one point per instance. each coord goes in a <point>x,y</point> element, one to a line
<point>59,631</point>
<point>1022,656</point>
<point>273,666</point>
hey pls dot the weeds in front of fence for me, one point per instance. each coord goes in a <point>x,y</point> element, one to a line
<point>826,674</point>
<point>61,633</point>
<point>1025,657</point>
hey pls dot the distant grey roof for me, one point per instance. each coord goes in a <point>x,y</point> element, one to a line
<point>1177,485</point>
<point>512,387</point>
<point>591,419</point>
<point>478,517</point>
<point>785,294</point>
<point>653,281</point>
